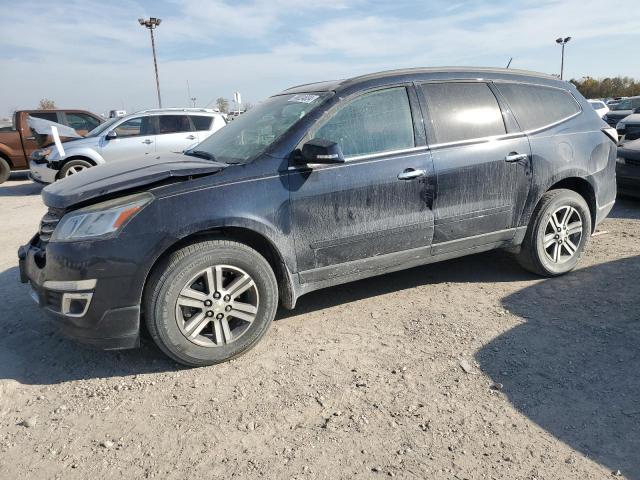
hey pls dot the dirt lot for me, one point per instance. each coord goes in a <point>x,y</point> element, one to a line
<point>360,381</point>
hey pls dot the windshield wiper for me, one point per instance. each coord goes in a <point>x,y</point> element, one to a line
<point>201,154</point>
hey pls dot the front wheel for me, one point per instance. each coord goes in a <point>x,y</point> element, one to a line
<point>557,234</point>
<point>74,166</point>
<point>5,170</point>
<point>210,302</point>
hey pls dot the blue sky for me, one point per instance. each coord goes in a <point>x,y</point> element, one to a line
<point>93,54</point>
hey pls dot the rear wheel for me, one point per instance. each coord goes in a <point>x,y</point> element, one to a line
<point>74,166</point>
<point>557,234</point>
<point>5,170</point>
<point>210,302</point>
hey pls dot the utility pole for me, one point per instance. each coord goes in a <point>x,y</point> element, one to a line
<point>152,24</point>
<point>563,42</point>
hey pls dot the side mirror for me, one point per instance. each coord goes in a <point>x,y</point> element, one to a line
<point>111,134</point>
<point>321,151</point>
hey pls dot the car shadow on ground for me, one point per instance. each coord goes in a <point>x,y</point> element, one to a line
<point>491,267</point>
<point>15,186</point>
<point>572,366</point>
<point>32,351</point>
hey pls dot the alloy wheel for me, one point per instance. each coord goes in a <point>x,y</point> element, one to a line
<point>217,306</point>
<point>75,169</point>
<point>563,234</point>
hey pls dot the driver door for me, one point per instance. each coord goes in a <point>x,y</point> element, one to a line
<point>135,137</point>
<point>376,203</point>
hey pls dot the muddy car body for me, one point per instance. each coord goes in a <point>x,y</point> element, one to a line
<point>320,185</point>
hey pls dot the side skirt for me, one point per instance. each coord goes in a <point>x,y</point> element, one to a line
<point>324,277</point>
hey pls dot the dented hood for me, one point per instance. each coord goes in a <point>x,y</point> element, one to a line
<point>119,176</point>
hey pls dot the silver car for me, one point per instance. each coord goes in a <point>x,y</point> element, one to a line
<point>148,132</point>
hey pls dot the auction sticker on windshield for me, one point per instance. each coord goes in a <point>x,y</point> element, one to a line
<point>303,98</point>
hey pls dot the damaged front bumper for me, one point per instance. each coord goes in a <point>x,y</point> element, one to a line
<point>84,307</point>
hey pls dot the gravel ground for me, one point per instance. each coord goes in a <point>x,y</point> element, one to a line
<point>466,369</point>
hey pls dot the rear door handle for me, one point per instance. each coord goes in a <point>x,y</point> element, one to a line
<point>411,173</point>
<point>516,157</point>
<point>147,141</point>
<point>191,137</point>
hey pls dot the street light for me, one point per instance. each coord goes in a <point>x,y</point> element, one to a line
<point>151,24</point>
<point>563,42</point>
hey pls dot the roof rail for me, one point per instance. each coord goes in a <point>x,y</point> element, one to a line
<point>180,109</point>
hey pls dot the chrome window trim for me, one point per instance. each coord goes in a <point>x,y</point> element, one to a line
<point>348,160</point>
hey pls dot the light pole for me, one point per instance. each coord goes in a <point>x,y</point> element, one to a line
<point>151,24</point>
<point>563,42</point>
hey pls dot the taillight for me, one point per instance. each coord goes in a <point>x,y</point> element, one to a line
<point>612,133</point>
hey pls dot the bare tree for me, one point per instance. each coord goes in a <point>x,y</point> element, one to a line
<point>223,105</point>
<point>46,104</point>
<point>607,87</point>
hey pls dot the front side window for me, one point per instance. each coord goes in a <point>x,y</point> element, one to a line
<point>535,106</point>
<point>375,122</point>
<point>463,111</point>
<point>253,132</point>
<point>136,127</point>
<point>174,124</point>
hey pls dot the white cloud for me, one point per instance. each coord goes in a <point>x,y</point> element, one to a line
<point>94,55</point>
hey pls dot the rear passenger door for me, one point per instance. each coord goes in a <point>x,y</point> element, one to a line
<point>481,162</point>
<point>175,134</point>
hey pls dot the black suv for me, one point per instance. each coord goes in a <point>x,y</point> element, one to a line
<point>320,185</point>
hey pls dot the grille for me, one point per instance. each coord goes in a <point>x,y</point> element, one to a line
<point>49,222</point>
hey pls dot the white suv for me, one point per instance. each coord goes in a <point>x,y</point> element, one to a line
<point>148,132</point>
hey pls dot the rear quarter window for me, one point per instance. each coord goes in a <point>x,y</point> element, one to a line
<point>201,122</point>
<point>535,106</point>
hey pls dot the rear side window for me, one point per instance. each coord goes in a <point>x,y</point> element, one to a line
<point>201,123</point>
<point>51,116</point>
<point>463,111</point>
<point>536,106</point>
<point>81,121</point>
<point>372,123</point>
<point>174,124</point>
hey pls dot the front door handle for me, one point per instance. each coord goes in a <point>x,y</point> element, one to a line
<point>516,157</point>
<point>147,141</point>
<point>191,137</point>
<point>411,173</point>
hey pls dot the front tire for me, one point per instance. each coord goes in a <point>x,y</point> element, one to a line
<point>557,234</point>
<point>73,167</point>
<point>5,170</point>
<point>210,302</point>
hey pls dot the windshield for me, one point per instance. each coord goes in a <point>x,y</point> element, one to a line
<point>253,132</point>
<point>102,127</point>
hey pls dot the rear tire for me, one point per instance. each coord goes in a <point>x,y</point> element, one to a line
<point>74,166</point>
<point>557,234</point>
<point>5,170</point>
<point>194,312</point>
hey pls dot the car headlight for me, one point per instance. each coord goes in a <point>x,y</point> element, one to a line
<point>100,220</point>
<point>40,155</point>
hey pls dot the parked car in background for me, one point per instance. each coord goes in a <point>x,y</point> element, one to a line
<point>628,169</point>
<point>599,106</point>
<point>629,127</point>
<point>117,113</point>
<point>17,142</point>
<point>621,110</point>
<point>320,185</point>
<point>149,132</point>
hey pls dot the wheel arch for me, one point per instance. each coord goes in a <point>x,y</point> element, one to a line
<point>250,237</point>
<point>583,188</point>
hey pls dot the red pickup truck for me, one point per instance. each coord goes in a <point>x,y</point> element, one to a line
<point>17,142</point>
